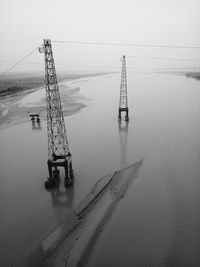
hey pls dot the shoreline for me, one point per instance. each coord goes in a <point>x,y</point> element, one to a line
<point>194,75</point>
<point>14,111</point>
<point>16,83</point>
<point>16,108</point>
<point>11,114</point>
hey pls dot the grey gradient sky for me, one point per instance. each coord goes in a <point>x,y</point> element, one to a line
<point>25,23</point>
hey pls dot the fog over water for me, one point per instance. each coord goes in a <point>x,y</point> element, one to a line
<point>161,22</point>
<point>158,221</point>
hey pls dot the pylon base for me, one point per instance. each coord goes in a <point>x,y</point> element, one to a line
<point>52,182</point>
<point>126,113</point>
<point>69,182</point>
<point>59,161</point>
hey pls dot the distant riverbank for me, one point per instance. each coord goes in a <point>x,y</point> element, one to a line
<point>16,83</point>
<point>195,75</point>
<point>21,96</point>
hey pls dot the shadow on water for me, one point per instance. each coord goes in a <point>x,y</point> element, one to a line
<point>123,139</point>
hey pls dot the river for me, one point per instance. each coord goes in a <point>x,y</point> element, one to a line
<point>157,223</point>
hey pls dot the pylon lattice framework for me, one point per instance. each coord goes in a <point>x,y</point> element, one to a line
<point>58,148</point>
<point>123,101</point>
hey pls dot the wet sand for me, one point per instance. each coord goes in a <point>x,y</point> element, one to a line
<point>15,109</point>
<point>72,242</point>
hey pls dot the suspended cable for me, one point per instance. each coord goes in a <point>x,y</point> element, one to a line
<point>165,58</point>
<point>127,44</point>
<point>57,64</point>
<point>101,68</point>
<point>18,63</point>
<point>63,64</point>
<point>27,63</point>
<point>97,66</point>
<point>108,66</point>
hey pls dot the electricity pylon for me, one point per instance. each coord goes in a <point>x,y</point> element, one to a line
<point>123,101</point>
<point>58,148</point>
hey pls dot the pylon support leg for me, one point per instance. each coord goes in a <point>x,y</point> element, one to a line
<point>50,169</point>
<point>119,115</point>
<point>54,179</point>
<point>69,177</point>
<point>54,175</point>
<point>126,114</point>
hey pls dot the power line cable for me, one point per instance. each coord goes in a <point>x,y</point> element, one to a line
<point>4,73</point>
<point>108,66</point>
<point>119,44</point>
<point>165,58</point>
<point>57,64</point>
<point>62,64</point>
<point>127,44</point>
<point>98,66</point>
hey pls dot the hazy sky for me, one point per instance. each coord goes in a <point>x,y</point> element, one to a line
<point>25,23</point>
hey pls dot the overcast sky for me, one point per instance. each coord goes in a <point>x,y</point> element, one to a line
<point>25,23</point>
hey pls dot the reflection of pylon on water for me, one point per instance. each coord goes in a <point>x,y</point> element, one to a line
<point>123,125</point>
<point>36,125</point>
<point>35,119</point>
<point>58,148</point>
<point>123,139</point>
<point>123,101</point>
<point>62,197</point>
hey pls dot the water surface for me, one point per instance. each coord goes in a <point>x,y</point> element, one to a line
<point>157,224</point>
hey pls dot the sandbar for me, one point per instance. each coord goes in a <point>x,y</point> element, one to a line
<point>72,242</point>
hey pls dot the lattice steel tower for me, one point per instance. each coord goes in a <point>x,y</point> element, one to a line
<point>123,101</point>
<point>58,148</point>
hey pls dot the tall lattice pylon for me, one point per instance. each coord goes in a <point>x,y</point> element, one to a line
<point>58,148</point>
<point>123,101</point>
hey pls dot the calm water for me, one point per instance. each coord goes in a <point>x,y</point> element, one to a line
<point>157,224</point>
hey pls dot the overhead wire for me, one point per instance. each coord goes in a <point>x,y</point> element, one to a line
<point>21,60</point>
<point>127,44</point>
<point>114,44</point>
<point>103,67</point>
<point>108,66</point>
<point>164,58</point>
<point>57,64</point>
